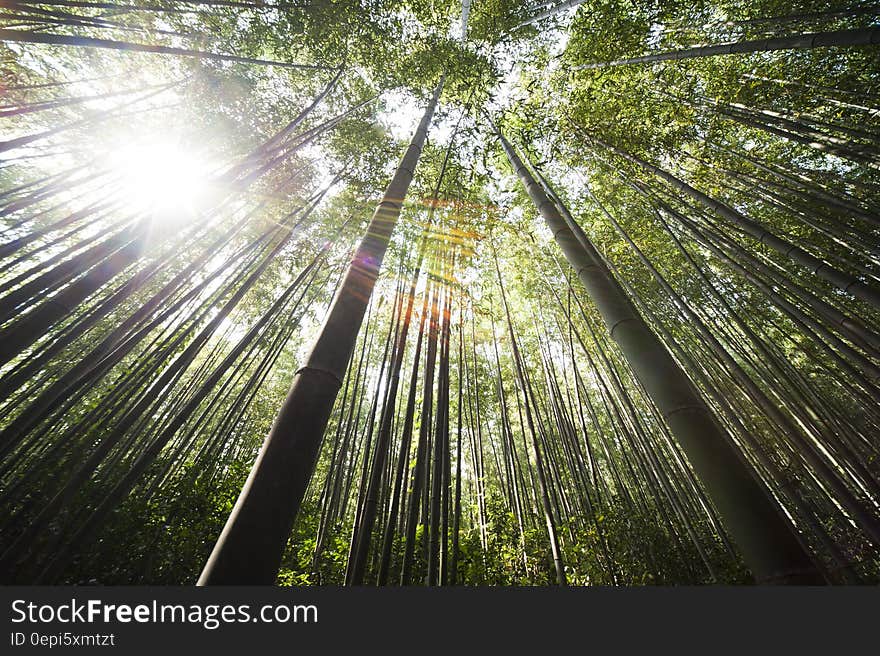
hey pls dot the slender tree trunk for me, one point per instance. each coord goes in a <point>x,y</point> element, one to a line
<point>456,511</point>
<point>403,453</point>
<point>21,36</point>
<point>554,8</point>
<point>766,538</point>
<point>251,545</point>
<point>843,38</point>
<point>839,279</point>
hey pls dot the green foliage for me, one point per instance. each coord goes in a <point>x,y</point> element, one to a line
<point>727,125</point>
<point>164,540</point>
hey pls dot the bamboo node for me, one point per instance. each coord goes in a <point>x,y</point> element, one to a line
<point>318,370</point>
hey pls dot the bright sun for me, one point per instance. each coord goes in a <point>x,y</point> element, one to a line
<point>162,179</point>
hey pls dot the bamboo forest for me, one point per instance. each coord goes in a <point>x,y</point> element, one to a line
<point>443,293</point>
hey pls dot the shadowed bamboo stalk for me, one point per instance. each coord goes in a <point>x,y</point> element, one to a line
<point>250,548</point>
<point>21,36</point>
<point>769,545</point>
<point>840,279</point>
<point>842,38</point>
<point>551,10</point>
